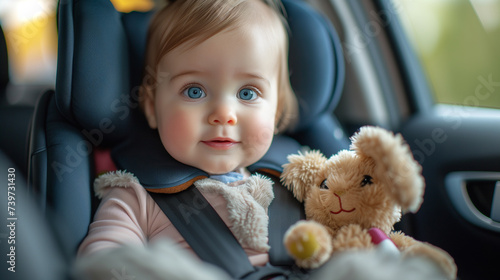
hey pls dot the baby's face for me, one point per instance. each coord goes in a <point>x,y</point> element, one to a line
<point>215,103</point>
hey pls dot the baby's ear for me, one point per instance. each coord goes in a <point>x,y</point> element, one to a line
<point>302,172</point>
<point>395,166</point>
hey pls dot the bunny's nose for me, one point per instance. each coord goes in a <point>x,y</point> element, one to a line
<point>340,193</point>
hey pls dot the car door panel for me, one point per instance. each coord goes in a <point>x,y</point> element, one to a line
<point>450,141</point>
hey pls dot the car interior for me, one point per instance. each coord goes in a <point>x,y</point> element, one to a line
<point>351,64</point>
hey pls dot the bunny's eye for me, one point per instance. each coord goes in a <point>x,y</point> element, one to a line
<point>367,180</point>
<point>323,185</point>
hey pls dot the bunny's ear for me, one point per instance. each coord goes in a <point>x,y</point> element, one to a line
<point>302,172</point>
<point>394,164</point>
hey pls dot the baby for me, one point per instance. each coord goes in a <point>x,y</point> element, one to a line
<point>222,88</point>
<point>220,93</point>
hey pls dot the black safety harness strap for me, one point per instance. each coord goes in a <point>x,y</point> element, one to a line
<point>208,235</point>
<point>283,212</point>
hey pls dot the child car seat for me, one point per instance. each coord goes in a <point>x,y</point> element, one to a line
<point>94,110</point>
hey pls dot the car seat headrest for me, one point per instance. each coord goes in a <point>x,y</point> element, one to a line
<point>316,62</point>
<point>99,72</point>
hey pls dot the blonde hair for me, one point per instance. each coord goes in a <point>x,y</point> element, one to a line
<point>191,22</point>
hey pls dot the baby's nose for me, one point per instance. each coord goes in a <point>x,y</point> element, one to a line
<point>223,114</point>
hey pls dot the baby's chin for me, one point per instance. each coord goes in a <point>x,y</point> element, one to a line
<point>219,164</point>
<point>214,169</point>
<point>218,171</point>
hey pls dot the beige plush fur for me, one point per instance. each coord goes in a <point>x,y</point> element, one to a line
<point>247,205</point>
<point>355,190</point>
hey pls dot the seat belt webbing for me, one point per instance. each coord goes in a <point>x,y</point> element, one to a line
<point>284,211</point>
<point>203,229</point>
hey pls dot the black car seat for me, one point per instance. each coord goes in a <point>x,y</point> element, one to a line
<point>93,115</point>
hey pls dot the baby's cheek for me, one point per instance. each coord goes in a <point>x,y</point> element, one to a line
<point>261,135</point>
<point>177,132</point>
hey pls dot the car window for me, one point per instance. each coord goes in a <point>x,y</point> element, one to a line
<point>30,49</point>
<point>458,43</point>
<point>30,31</point>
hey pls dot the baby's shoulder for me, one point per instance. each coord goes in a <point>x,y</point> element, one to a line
<point>117,182</point>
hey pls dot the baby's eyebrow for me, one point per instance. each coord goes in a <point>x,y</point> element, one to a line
<point>241,75</point>
<point>185,73</point>
<point>255,76</point>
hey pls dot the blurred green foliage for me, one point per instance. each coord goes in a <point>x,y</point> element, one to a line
<point>458,42</point>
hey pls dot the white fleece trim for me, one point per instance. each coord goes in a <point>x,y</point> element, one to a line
<point>117,178</point>
<point>261,189</point>
<point>247,207</point>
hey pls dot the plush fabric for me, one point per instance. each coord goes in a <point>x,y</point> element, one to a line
<point>160,260</point>
<point>167,261</point>
<point>354,191</point>
<point>374,265</point>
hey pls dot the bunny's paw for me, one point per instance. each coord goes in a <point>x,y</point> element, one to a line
<point>309,243</point>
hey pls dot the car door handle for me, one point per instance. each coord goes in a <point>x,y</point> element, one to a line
<point>476,197</point>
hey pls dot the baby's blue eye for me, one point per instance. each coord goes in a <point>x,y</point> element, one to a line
<point>194,93</point>
<point>247,94</point>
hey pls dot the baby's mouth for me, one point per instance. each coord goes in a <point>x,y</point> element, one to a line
<point>220,143</point>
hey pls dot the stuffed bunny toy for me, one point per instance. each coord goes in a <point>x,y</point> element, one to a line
<point>353,192</point>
